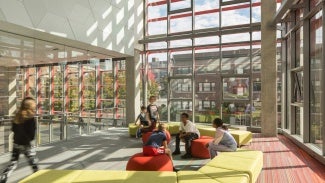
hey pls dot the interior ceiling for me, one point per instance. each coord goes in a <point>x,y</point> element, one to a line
<point>17,50</point>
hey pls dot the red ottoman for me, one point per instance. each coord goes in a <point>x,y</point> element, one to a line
<point>145,136</point>
<point>139,162</point>
<point>198,148</point>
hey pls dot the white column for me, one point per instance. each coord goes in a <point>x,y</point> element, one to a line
<point>133,87</point>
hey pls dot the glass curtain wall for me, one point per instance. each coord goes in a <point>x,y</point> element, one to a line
<point>210,52</point>
<point>77,91</point>
<point>305,58</point>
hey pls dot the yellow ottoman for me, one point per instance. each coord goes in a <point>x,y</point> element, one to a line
<point>243,162</point>
<point>242,137</point>
<point>207,131</point>
<point>173,127</point>
<point>133,129</point>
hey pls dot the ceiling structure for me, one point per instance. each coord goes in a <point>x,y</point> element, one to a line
<point>37,47</point>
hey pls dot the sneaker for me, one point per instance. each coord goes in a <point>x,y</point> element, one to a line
<point>176,152</point>
<point>186,156</point>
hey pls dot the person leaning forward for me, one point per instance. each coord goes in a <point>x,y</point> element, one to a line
<point>187,133</point>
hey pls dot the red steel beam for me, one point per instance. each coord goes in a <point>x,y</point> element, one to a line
<point>27,85</point>
<point>52,91</point>
<point>39,85</point>
<point>66,86</point>
<point>82,90</point>
<point>116,98</point>
<point>98,89</point>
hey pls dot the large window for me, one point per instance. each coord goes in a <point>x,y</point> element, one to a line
<point>204,56</point>
<point>316,55</point>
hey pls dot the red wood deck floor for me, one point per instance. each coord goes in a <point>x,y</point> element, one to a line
<point>285,162</point>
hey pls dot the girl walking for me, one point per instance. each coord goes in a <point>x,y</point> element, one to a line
<point>24,127</point>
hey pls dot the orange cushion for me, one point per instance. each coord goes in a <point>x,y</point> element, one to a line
<point>139,162</point>
<point>198,148</point>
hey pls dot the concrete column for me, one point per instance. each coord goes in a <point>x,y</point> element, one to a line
<point>268,71</point>
<point>133,87</point>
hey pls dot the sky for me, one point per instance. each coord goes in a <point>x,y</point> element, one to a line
<point>232,17</point>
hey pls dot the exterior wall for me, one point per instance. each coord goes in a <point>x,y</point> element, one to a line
<point>115,25</point>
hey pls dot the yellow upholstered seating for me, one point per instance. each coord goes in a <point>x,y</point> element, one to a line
<point>207,131</point>
<point>225,175</point>
<point>231,161</point>
<point>173,127</point>
<point>52,176</point>
<point>242,166</point>
<point>242,137</point>
<point>99,176</point>
<point>194,177</point>
<point>133,129</point>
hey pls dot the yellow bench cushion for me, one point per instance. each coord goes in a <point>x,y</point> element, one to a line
<point>251,166</point>
<point>99,176</point>
<point>173,127</point>
<point>207,131</point>
<point>225,175</point>
<point>194,177</point>
<point>241,136</point>
<point>151,176</point>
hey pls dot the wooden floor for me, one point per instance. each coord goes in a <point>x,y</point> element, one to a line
<point>284,162</point>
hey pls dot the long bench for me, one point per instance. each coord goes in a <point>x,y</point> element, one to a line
<point>242,166</point>
<point>241,136</point>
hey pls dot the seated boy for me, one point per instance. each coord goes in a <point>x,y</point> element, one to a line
<point>157,143</point>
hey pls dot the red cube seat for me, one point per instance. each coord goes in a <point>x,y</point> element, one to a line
<point>139,162</point>
<point>198,148</point>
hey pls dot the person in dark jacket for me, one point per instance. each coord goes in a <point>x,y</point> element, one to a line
<point>141,121</point>
<point>24,127</point>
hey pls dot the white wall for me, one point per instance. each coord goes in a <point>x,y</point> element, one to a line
<point>112,24</point>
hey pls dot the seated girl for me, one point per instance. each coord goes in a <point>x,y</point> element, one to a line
<point>223,140</point>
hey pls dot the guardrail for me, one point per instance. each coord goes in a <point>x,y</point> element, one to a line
<point>60,126</point>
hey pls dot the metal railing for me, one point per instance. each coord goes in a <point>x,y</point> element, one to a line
<point>61,126</point>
